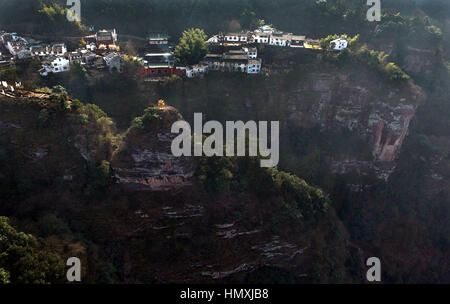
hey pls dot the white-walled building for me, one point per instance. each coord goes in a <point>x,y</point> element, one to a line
<point>59,49</point>
<point>261,37</point>
<point>280,39</point>
<point>232,62</point>
<point>339,44</point>
<point>19,49</point>
<point>196,70</point>
<point>213,40</point>
<point>91,47</point>
<point>114,61</point>
<point>42,51</point>
<point>265,29</point>
<point>55,65</point>
<point>236,37</point>
<point>254,66</point>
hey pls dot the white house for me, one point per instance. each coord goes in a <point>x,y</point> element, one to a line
<point>59,49</point>
<point>261,37</point>
<point>196,70</point>
<point>113,61</point>
<point>76,56</point>
<point>16,37</point>
<point>55,65</point>
<point>254,66</point>
<point>18,49</point>
<point>91,47</point>
<point>236,37</point>
<point>280,39</point>
<point>339,44</point>
<point>232,61</point>
<point>214,61</point>
<point>213,40</point>
<point>265,29</point>
<point>42,51</point>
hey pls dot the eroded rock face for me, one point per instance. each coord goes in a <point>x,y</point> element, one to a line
<point>147,163</point>
<point>419,60</point>
<point>379,118</point>
<point>390,131</point>
<point>413,59</point>
<point>154,170</point>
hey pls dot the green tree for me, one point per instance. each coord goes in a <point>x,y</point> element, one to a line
<point>21,260</point>
<point>192,47</point>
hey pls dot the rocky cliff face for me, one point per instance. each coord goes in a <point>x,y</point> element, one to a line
<point>419,60</point>
<point>415,59</point>
<point>302,92</point>
<point>379,116</point>
<point>145,161</point>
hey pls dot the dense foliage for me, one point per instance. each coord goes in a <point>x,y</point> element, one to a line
<point>23,262</point>
<point>404,219</point>
<point>192,46</point>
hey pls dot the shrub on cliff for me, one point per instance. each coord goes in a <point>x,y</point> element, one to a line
<point>377,60</point>
<point>394,73</point>
<point>243,175</point>
<point>99,178</point>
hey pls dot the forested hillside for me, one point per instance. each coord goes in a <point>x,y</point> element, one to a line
<point>364,159</point>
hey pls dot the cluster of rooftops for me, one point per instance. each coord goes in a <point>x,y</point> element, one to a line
<point>264,35</point>
<point>230,52</point>
<point>100,51</point>
<point>267,34</point>
<point>159,60</point>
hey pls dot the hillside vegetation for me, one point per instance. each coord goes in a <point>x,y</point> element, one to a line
<point>364,164</point>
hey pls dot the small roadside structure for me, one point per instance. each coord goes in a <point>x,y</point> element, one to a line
<point>339,44</point>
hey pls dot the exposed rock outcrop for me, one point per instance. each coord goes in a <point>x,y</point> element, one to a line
<point>145,161</point>
<point>378,117</point>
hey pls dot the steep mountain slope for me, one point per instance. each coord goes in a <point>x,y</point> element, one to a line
<point>58,184</point>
